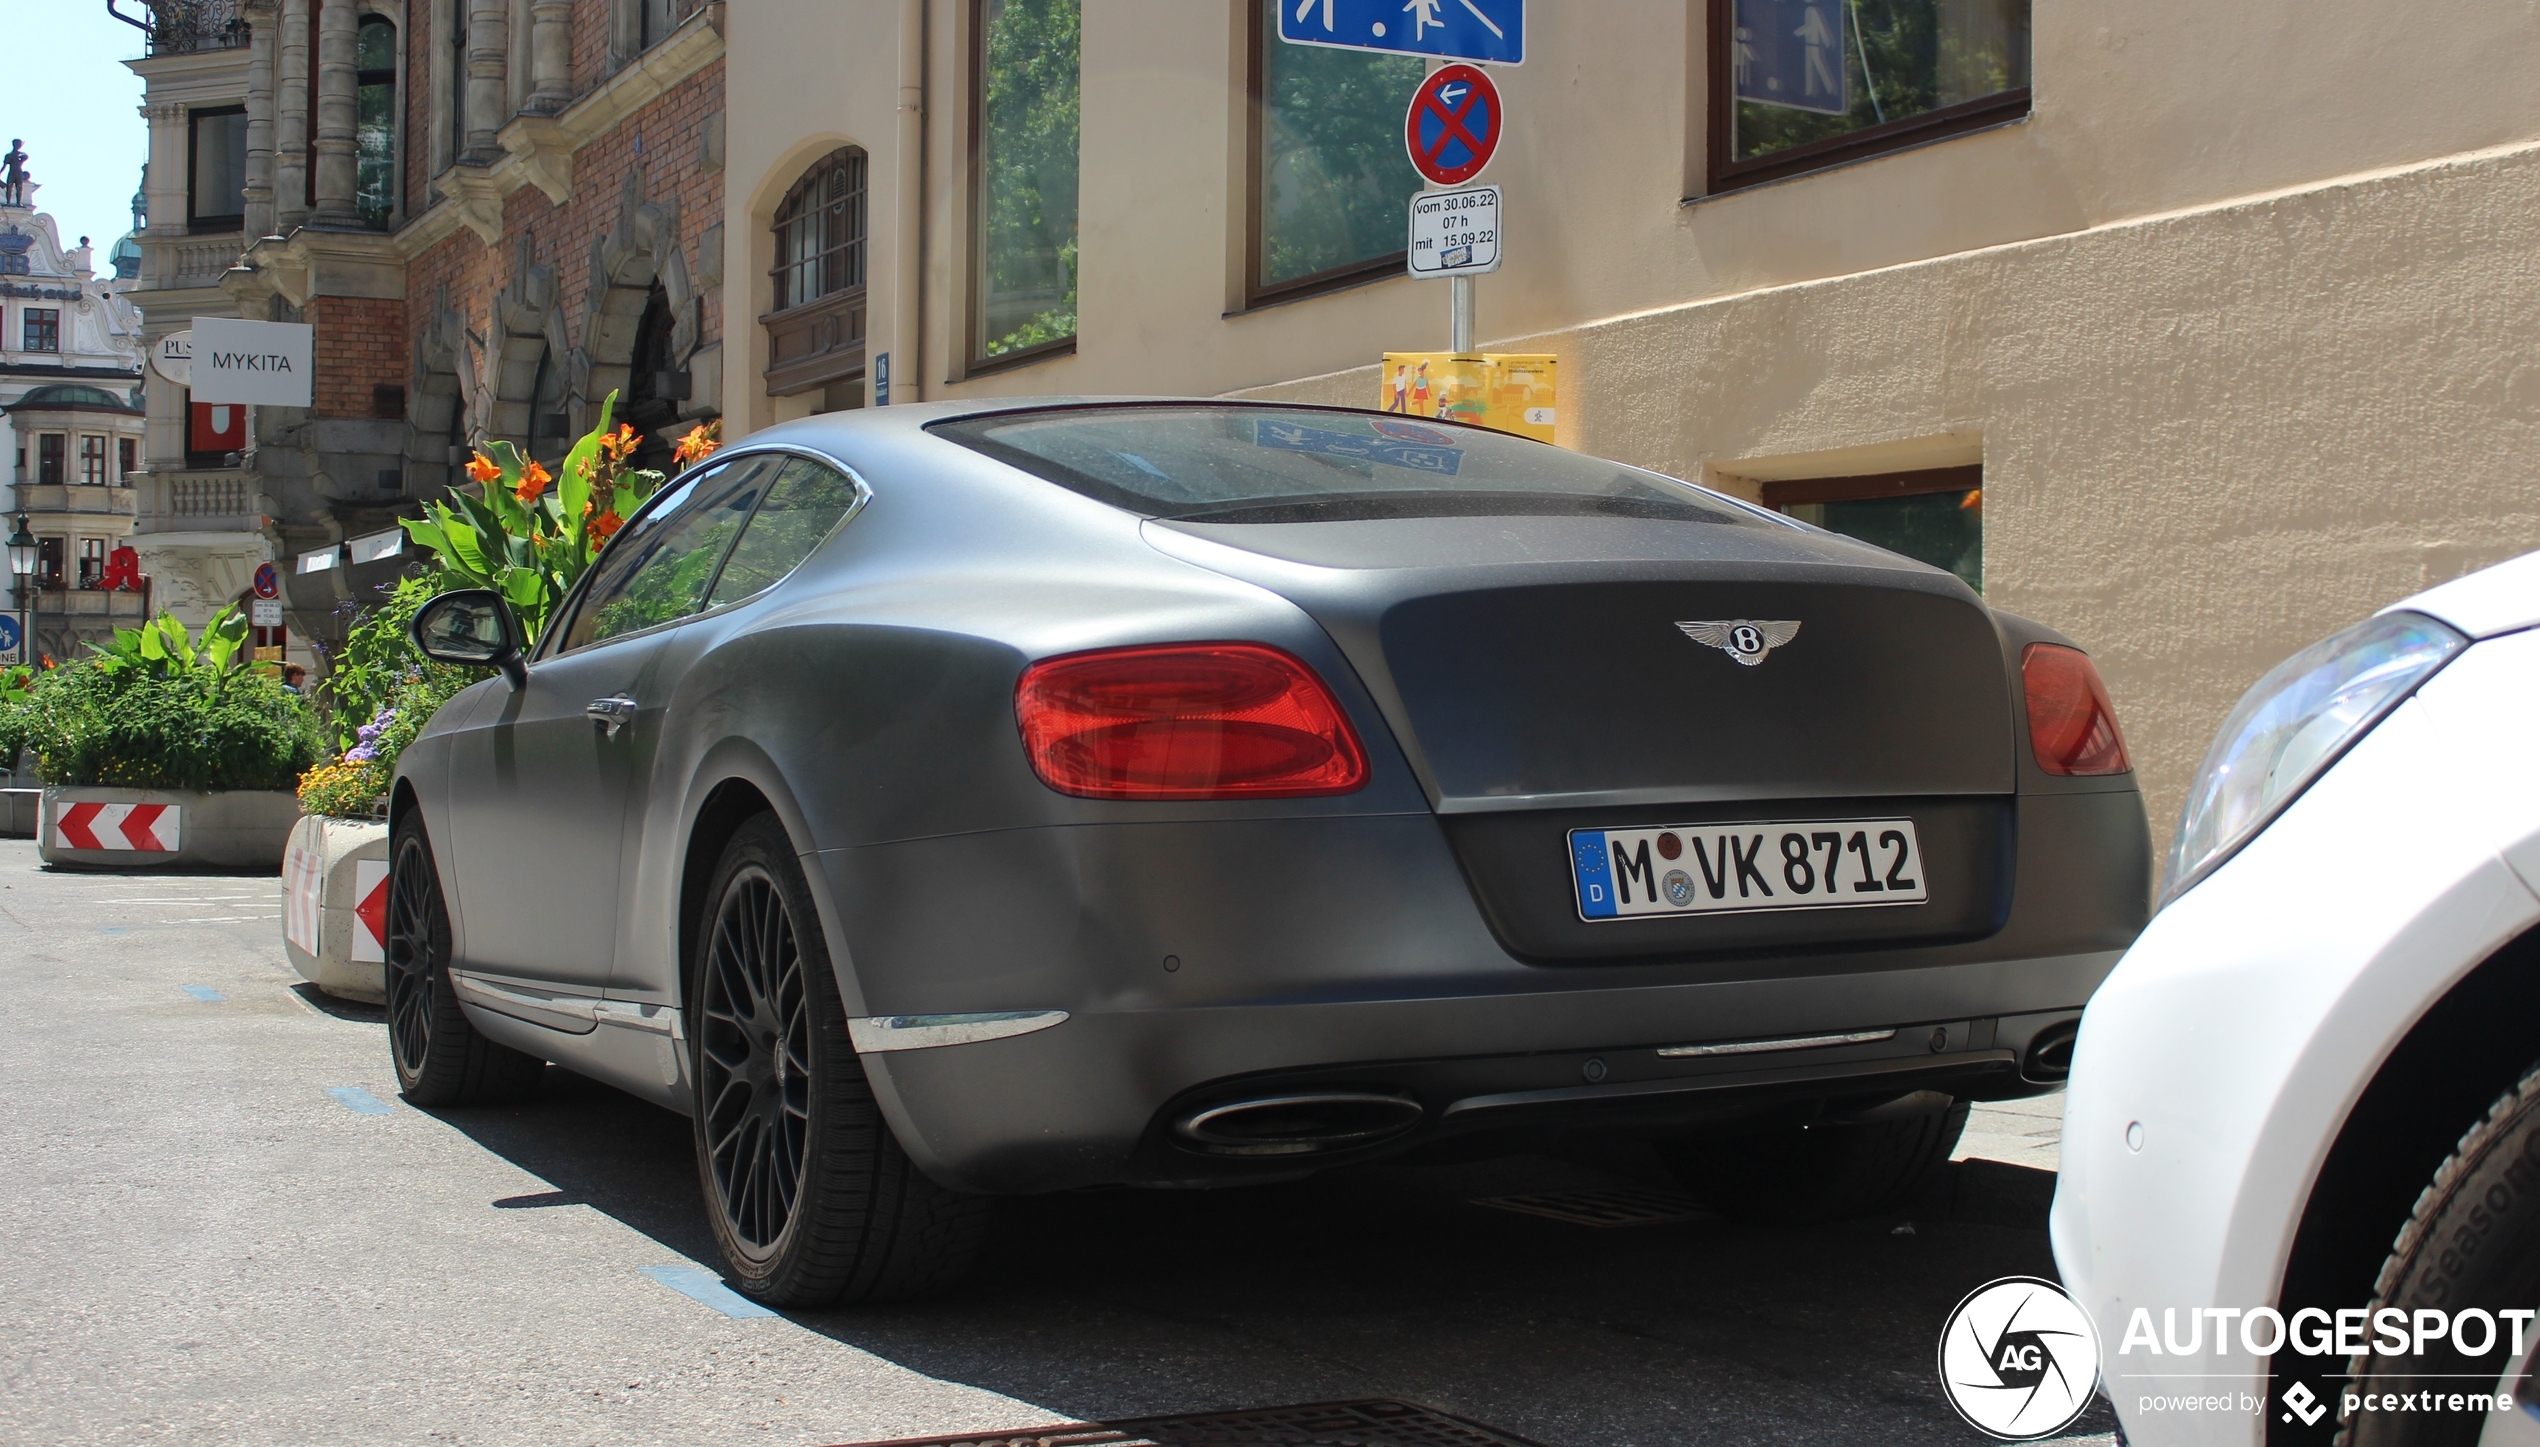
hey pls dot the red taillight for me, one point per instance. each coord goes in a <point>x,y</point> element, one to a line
<point>1186,721</point>
<point>2072,728</point>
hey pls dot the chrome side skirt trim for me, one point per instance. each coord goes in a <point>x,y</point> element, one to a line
<point>874,1033</point>
<point>1794,1042</point>
<point>652,1019</point>
<point>573,1014</point>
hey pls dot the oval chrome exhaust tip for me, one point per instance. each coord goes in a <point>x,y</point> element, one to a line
<point>2049,1059</point>
<point>1295,1125</point>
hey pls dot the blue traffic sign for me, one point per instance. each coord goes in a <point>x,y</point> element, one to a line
<point>8,639</point>
<point>1790,53</point>
<point>1487,30</point>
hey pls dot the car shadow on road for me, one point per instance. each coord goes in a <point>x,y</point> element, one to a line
<point>602,1148</point>
<point>1389,1281</point>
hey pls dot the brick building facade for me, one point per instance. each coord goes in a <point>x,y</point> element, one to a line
<point>493,213</point>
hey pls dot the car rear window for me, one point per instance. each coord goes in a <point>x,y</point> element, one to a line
<point>1291,465</point>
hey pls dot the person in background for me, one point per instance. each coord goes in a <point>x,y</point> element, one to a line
<point>293,676</point>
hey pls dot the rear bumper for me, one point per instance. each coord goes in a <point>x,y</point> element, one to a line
<point>1201,961</point>
<point>1095,1100</point>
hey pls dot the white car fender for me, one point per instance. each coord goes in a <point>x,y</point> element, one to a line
<point>2239,1031</point>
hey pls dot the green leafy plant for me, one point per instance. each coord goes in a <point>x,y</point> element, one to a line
<point>530,535</point>
<point>159,708</point>
<point>161,648</point>
<point>379,666</point>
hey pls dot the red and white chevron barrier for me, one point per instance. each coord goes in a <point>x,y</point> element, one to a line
<point>150,828</point>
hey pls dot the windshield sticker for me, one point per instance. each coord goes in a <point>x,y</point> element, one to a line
<point>1293,437</point>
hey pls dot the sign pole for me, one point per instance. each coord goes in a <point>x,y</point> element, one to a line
<point>1460,315</point>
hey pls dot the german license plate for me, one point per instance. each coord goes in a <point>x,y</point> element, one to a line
<point>1734,868</point>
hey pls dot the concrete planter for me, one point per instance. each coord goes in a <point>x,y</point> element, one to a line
<point>332,926</point>
<point>160,828</point>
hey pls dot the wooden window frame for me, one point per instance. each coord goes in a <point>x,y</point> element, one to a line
<point>1725,174</point>
<point>974,363</point>
<point>1783,494</point>
<point>816,341</point>
<point>50,324</point>
<point>1256,131</point>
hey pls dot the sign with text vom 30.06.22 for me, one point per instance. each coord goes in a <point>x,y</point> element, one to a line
<point>270,364</point>
<point>1486,30</point>
<point>1455,233</point>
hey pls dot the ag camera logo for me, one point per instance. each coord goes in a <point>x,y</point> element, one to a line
<point>2019,1359</point>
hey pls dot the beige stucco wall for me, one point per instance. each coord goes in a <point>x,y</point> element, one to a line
<point>2241,321</point>
<point>2208,438</point>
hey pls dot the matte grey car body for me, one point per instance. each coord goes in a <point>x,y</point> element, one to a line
<point>1052,991</point>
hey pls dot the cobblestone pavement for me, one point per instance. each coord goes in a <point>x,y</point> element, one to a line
<point>225,1227</point>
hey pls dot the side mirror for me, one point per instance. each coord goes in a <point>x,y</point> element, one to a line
<point>473,626</point>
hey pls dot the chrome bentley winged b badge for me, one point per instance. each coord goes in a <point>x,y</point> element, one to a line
<point>1746,640</point>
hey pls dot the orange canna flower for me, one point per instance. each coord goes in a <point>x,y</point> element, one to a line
<point>700,443</point>
<point>604,527</point>
<point>619,445</point>
<point>481,468</point>
<point>533,481</point>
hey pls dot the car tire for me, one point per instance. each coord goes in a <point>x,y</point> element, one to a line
<point>1827,1171</point>
<point>2473,1240</point>
<point>440,1058</point>
<point>811,1197</point>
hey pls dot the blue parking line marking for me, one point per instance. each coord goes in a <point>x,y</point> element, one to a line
<point>206,994</point>
<point>359,1101</point>
<point>112,929</point>
<point>704,1286</point>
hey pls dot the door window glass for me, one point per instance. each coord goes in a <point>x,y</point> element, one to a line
<point>662,567</point>
<point>803,504</point>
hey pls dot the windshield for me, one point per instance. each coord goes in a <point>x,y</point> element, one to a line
<point>1292,465</point>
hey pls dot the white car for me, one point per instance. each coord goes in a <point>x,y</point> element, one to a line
<point>2300,1192</point>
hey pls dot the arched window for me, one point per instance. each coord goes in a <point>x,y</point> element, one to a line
<point>820,231</point>
<point>375,121</point>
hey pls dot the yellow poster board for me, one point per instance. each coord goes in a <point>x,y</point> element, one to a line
<point>1506,391</point>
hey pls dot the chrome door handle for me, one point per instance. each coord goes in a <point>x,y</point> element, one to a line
<point>611,714</point>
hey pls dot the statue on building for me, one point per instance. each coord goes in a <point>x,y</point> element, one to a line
<point>13,175</point>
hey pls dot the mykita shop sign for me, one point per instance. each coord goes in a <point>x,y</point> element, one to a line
<point>271,364</point>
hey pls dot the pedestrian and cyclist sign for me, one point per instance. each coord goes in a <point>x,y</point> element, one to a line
<point>1453,125</point>
<point>1486,30</point>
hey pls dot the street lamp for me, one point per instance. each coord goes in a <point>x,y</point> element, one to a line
<point>22,556</point>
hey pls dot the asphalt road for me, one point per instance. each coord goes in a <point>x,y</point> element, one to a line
<point>223,1226</point>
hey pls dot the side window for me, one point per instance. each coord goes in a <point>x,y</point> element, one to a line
<point>803,506</point>
<point>660,570</point>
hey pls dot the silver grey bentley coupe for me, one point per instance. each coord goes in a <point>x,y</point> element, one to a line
<point>939,802</point>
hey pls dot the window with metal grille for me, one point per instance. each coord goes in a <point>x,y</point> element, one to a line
<point>820,231</point>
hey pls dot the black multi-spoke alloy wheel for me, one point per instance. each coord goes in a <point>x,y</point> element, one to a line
<point>1820,1172</point>
<point>441,1060</point>
<point>811,1197</point>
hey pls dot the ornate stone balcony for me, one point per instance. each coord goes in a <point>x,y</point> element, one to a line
<point>178,263</point>
<point>200,500</point>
